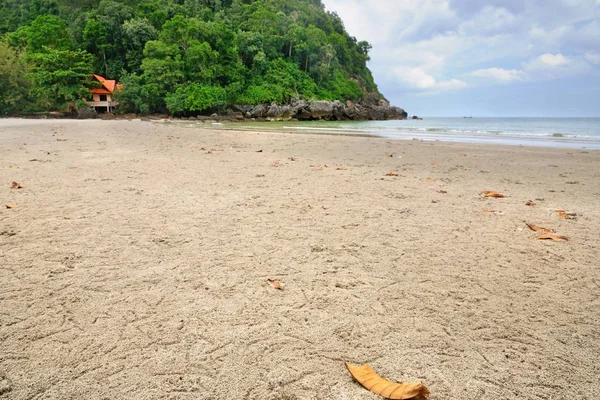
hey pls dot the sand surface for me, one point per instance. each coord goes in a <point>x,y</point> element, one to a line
<point>134,265</point>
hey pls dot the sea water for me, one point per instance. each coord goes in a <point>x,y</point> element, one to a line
<point>544,132</point>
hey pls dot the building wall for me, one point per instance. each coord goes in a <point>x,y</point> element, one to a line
<point>97,97</point>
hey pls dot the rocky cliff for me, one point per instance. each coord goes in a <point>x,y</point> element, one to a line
<point>370,108</point>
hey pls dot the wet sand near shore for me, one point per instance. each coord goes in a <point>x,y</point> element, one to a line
<point>134,263</point>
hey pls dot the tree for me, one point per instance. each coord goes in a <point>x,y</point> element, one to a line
<point>45,30</point>
<point>170,52</point>
<point>194,98</point>
<point>138,32</point>
<point>13,84</point>
<point>60,77</point>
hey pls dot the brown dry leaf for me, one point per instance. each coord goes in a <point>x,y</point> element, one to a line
<point>435,201</point>
<point>441,191</point>
<point>429,180</point>
<point>341,169</point>
<point>554,238</point>
<point>384,388</point>
<point>565,215</point>
<point>61,140</point>
<point>275,284</point>
<point>491,193</point>
<point>530,203</point>
<point>9,206</point>
<point>391,173</point>
<point>539,229</point>
<point>16,185</point>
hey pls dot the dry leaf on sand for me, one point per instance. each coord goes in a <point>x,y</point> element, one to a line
<point>530,203</point>
<point>489,212</point>
<point>275,284</point>
<point>539,228</point>
<point>554,238</point>
<point>384,388</point>
<point>9,206</point>
<point>429,180</point>
<point>491,193</point>
<point>16,185</point>
<point>565,215</point>
<point>391,173</point>
<point>441,191</point>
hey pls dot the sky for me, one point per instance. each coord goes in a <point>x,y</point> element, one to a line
<point>482,58</point>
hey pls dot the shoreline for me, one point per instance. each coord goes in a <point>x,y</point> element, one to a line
<point>559,141</point>
<point>547,141</point>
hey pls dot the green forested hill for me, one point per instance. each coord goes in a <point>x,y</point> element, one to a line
<point>182,56</point>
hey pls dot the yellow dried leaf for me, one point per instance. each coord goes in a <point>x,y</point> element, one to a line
<point>491,193</point>
<point>384,388</point>
<point>539,229</point>
<point>554,238</point>
<point>9,206</point>
<point>275,284</point>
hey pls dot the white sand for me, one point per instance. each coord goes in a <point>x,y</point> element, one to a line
<point>134,265</point>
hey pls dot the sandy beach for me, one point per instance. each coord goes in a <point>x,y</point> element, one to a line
<point>134,263</point>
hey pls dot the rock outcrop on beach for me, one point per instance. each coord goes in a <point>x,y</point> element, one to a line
<point>368,109</point>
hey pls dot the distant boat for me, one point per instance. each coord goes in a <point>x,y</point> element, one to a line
<point>467,117</point>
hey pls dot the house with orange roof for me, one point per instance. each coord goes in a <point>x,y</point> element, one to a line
<point>102,96</point>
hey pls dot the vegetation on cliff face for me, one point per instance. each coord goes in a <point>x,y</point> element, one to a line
<point>181,56</point>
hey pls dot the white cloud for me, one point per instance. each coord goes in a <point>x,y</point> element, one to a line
<point>446,45</point>
<point>417,78</point>
<point>500,75</point>
<point>547,62</point>
<point>490,21</point>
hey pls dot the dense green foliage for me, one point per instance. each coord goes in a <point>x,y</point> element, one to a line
<point>181,56</point>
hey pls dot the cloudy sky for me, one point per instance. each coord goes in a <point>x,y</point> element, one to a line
<point>482,58</point>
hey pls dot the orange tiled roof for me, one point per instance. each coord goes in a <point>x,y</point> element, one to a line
<point>108,85</point>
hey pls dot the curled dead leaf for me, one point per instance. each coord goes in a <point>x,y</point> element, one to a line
<point>530,203</point>
<point>9,206</point>
<point>16,185</point>
<point>491,193</point>
<point>565,215</point>
<point>275,284</point>
<point>539,229</point>
<point>397,391</point>
<point>554,238</point>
